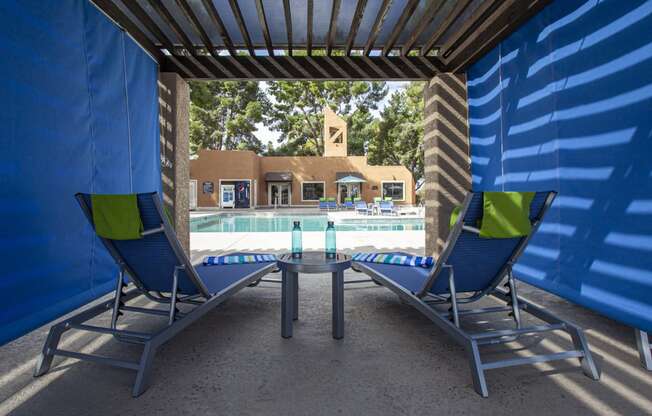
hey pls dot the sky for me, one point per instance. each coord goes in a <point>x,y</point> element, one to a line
<point>265,134</point>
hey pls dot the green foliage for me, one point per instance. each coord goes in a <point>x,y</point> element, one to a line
<point>223,115</point>
<point>297,111</point>
<point>399,139</point>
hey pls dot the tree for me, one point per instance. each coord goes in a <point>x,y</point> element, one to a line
<point>223,115</point>
<point>297,106</point>
<point>399,139</point>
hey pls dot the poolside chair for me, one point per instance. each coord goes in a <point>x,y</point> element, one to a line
<point>348,203</point>
<point>474,267</point>
<point>387,207</point>
<point>323,204</point>
<point>361,207</point>
<point>161,272</point>
<point>331,203</point>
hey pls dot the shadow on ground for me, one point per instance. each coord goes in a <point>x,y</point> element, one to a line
<point>392,361</point>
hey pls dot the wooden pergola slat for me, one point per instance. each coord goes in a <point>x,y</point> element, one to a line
<point>263,24</point>
<point>288,24</point>
<point>460,6</point>
<point>241,24</point>
<point>378,25</point>
<point>219,23</point>
<point>503,21</point>
<point>267,68</point>
<point>309,28</point>
<point>355,24</point>
<point>400,25</point>
<point>425,21</point>
<point>332,27</point>
<point>475,33</point>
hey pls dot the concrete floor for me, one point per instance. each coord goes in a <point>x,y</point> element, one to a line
<point>392,361</point>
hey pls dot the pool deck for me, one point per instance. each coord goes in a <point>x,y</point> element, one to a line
<point>335,215</point>
<point>392,360</point>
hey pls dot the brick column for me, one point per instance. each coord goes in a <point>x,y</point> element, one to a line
<point>174,119</point>
<point>446,154</point>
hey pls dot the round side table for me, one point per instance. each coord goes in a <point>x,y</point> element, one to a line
<point>311,262</point>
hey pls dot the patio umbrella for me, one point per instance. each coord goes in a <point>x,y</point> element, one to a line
<point>350,179</point>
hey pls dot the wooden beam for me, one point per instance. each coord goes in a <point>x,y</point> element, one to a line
<point>169,20</point>
<point>219,23</point>
<point>355,24</point>
<point>505,20</point>
<point>151,26</point>
<point>268,68</point>
<point>241,24</point>
<point>332,27</point>
<point>288,24</point>
<point>309,28</point>
<point>378,25</point>
<point>264,27</point>
<point>479,14</point>
<point>408,11</point>
<point>114,13</point>
<point>196,25</point>
<point>425,21</point>
<point>445,25</point>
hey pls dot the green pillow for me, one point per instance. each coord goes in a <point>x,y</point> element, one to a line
<point>454,215</point>
<point>116,217</point>
<point>357,199</point>
<point>506,214</point>
<point>322,199</point>
<point>330,199</point>
<point>388,198</point>
<point>377,199</point>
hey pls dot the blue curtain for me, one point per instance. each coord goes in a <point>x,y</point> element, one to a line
<point>565,103</point>
<point>80,114</point>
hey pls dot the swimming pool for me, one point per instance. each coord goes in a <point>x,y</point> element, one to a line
<point>251,223</point>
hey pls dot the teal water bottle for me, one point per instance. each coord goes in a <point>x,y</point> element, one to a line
<point>330,241</point>
<point>296,240</point>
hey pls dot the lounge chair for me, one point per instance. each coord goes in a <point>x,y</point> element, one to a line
<point>475,267</point>
<point>348,203</point>
<point>362,208</point>
<point>331,203</point>
<point>323,204</point>
<point>161,272</point>
<point>387,207</point>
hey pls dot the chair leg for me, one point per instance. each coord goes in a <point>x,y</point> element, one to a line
<point>51,343</point>
<point>479,381</point>
<point>144,369</point>
<point>589,368</point>
<point>643,344</point>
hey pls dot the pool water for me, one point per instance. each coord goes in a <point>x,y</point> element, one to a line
<point>229,223</point>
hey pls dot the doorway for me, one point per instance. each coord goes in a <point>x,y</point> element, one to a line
<point>346,190</point>
<point>279,193</point>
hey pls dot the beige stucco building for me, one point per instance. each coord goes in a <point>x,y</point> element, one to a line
<point>242,179</point>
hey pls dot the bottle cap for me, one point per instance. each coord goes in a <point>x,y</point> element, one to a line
<point>331,223</point>
<point>296,223</point>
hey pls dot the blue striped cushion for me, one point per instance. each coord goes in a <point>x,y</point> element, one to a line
<point>396,259</point>
<point>239,259</point>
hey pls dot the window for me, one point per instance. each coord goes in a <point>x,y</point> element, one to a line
<point>312,191</point>
<point>395,190</point>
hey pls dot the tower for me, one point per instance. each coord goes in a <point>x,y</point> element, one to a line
<point>334,134</point>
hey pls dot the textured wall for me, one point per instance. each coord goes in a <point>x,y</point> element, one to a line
<point>212,165</point>
<point>174,118</point>
<point>446,154</point>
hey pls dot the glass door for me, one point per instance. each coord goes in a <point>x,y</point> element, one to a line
<point>279,194</point>
<point>285,193</point>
